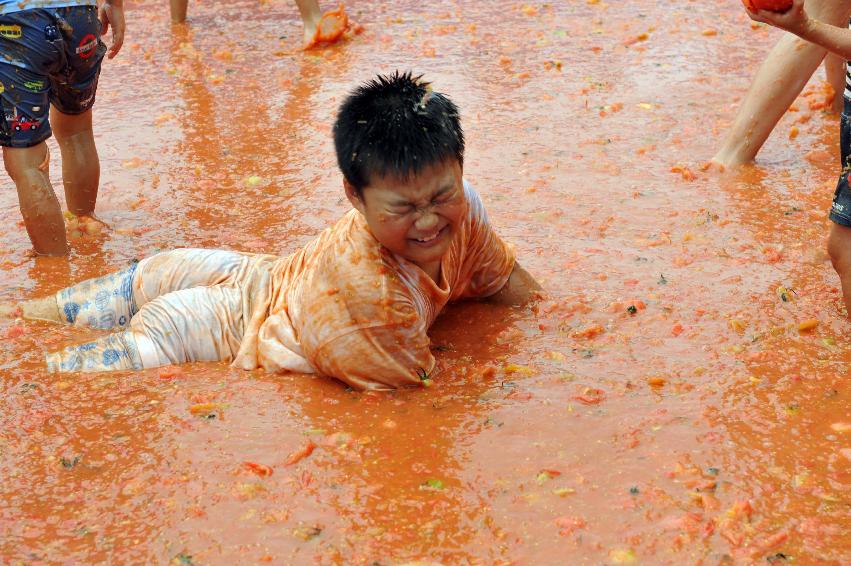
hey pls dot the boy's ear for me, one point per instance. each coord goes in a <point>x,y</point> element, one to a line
<point>354,197</point>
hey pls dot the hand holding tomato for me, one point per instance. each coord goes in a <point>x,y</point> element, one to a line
<point>772,5</point>
<point>788,15</point>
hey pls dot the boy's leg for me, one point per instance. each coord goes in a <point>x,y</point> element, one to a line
<point>28,168</point>
<point>112,300</point>
<point>839,248</point>
<point>103,303</point>
<point>117,351</point>
<point>80,164</point>
<point>191,325</point>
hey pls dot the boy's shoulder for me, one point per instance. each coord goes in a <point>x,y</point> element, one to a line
<point>347,265</point>
<point>347,290</point>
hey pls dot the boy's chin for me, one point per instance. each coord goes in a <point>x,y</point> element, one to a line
<point>425,256</point>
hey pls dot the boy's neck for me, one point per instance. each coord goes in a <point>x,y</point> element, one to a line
<point>432,270</point>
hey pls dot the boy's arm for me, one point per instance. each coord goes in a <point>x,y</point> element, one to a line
<point>796,20</point>
<point>520,288</point>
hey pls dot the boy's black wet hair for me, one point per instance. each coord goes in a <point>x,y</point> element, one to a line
<point>394,125</point>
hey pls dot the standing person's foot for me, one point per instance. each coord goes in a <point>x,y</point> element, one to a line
<point>178,10</point>
<point>85,225</point>
<point>42,309</point>
<point>328,29</point>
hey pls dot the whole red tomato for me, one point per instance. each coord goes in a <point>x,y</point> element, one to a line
<point>773,5</point>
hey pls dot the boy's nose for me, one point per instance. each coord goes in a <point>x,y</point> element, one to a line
<point>427,221</point>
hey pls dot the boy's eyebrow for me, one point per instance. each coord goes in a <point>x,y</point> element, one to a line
<point>403,202</point>
<point>446,188</point>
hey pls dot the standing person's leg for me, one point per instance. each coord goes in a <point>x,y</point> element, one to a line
<point>178,10</point>
<point>839,249</point>
<point>24,126</point>
<point>322,28</point>
<point>80,163</point>
<point>28,168</point>
<point>778,82</point>
<point>310,16</point>
<point>835,69</point>
<point>73,88</point>
<point>839,240</point>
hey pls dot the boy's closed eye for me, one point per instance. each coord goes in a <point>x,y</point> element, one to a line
<point>445,196</point>
<point>400,209</point>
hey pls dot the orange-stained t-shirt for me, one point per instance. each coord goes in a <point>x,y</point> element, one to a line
<point>347,307</point>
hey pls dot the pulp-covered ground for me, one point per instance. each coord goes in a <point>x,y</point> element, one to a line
<point>681,396</point>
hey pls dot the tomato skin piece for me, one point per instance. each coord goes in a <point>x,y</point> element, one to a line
<point>300,454</point>
<point>591,396</point>
<point>261,470</point>
<point>568,525</point>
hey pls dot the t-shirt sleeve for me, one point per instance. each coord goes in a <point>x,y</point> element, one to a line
<point>380,357</point>
<point>368,333</point>
<point>487,261</point>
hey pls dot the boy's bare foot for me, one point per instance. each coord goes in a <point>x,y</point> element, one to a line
<point>10,310</point>
<point>44,308</point>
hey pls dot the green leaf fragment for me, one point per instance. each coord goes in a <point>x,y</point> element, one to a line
<point>543,477</point>
<point>433,484</point>
<point>621,556</point>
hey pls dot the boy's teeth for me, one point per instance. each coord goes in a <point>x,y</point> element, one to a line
<point>430,238</point>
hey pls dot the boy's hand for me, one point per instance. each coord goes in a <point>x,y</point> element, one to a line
<point>794,20</point>
<point>111,12</point>
<point>520,288</point>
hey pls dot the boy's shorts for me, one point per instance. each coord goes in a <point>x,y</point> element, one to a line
<point>47,56</point>
<point>840,211</point>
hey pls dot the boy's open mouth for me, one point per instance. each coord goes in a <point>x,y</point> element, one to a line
<point>430,240</point>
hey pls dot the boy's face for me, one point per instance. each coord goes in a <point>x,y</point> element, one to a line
<point>417,218</point>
